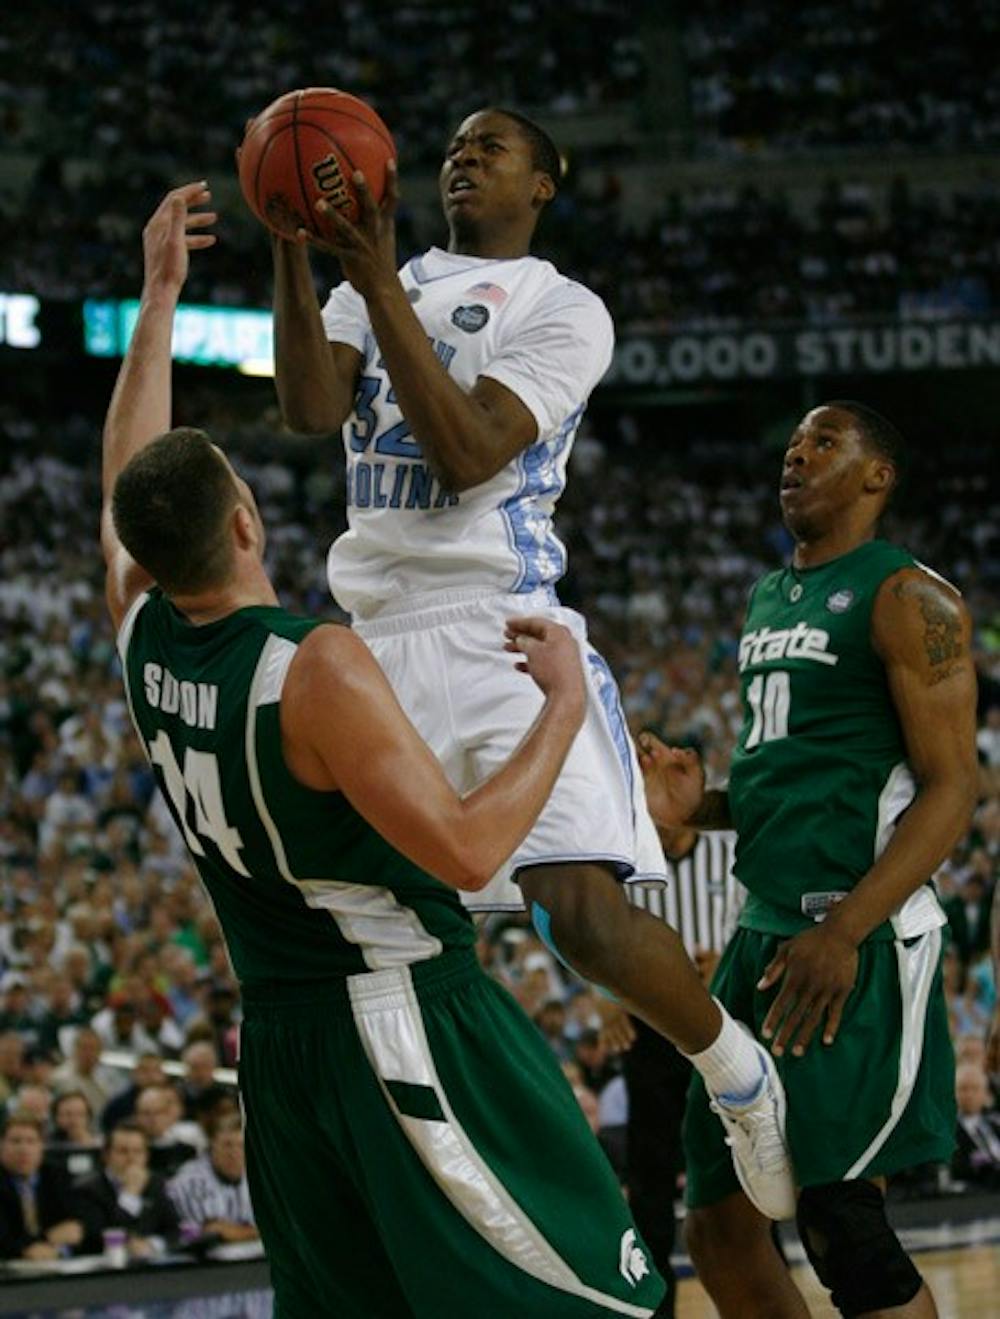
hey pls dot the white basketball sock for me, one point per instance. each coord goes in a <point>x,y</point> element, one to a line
<point>731,1065</point>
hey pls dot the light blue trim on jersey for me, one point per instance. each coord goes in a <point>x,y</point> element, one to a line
<point>611,702</point>
<point>416,268</point>
<point>541,555</point>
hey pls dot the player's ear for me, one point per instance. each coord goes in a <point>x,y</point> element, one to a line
<point>245,527</point>
<point>545,190</point>
<point>881,476</point>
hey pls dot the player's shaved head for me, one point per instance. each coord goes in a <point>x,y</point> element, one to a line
<point>171,508</point>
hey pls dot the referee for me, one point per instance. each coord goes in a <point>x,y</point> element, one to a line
<point>702,901</point>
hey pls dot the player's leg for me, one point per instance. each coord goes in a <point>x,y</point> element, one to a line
<point>734,1254</point>
<point>581,910</point>
<point>893,1056</point>
<point>324,1251</point>
<point>491,1194</point>
<point>582,913</point>
<point>731,1244</point>
<point>657,1077</point>
<point>856,1254</point>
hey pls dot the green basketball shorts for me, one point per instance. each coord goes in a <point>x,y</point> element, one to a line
<point>879,1099</point>
<point>414,1152</point>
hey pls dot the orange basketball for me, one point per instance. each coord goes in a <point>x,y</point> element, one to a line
<point>306,146</point>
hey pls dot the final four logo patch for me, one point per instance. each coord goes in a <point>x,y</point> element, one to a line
<point>470,319</point>
<point>840,601</point>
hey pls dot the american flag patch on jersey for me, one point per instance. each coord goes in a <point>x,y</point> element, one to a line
<point>489,293</point>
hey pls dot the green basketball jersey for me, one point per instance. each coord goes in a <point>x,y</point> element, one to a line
<point>304,888</point>
<point>819,775</point>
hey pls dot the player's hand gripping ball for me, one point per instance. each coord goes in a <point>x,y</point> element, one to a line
<point>304,148</point>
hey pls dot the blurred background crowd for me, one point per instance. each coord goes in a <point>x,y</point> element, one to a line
<point>728,165</point>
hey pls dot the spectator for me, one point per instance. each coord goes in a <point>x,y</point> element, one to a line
<point>211,1192</point>
<point>84,1071</point>
<point>199,1089</point>
<point>119,1027</point>
<point>127,1194</point>
<point>74,1143</point>
<point>34,1101</point>
<point>156,1114</point>
<point>63,1011</point>
<point>11,1064</point>
<point>977,1158</point>
<point>148,1071</point>
<point>15,1010</point>
<point>38,1210</point>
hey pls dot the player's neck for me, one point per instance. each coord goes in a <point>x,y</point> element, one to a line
<point>813,552</point>
<point>241,593</point>
<point>482,242</point>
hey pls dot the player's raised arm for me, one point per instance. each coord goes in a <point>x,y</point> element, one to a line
<point>466,436</point>
<point>140,406</point>
<point>921,630</point>
<point>316,380</point>
<point>342,728</point>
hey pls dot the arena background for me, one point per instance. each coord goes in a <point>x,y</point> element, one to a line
<point>779,206</point>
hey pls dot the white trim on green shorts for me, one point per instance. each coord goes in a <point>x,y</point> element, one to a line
<point>917,964</point>
<point>391,1028</point>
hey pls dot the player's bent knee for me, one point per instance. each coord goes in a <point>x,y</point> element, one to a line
<point>581,910</point>
<point>853,1249</point>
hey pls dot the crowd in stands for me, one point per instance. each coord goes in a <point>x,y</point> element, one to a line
<point>117,102</point>
<point>107,943</point>
<point>776,78</point>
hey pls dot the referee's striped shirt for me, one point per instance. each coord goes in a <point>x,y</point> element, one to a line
<point>200,1195</point>
<point>702,898</point>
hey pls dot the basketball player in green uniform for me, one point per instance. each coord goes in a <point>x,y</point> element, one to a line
<point>413,1150</point>
<point>853,777</point>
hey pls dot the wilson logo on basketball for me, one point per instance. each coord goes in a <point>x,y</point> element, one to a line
<point>330,180</point>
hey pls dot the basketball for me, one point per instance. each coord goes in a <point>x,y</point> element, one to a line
<point>305,147</point>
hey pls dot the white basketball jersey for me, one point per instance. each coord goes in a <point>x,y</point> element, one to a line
<point>547,339</point>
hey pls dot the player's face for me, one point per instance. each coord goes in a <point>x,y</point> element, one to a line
<point>826,470</point>
<point>488,171</point>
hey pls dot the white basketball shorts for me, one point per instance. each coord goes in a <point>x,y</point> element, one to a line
<point>444,656</point>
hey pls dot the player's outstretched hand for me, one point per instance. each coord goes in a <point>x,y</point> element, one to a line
<point>171,233</point>
<point>817,970</point>
<point>550,654</point>
<point>675,780</point>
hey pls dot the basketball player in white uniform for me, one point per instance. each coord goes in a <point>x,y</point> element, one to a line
<point>459,384</point>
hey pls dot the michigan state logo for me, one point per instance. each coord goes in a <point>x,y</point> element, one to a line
<point>330,181</point>
<point>840,601</point>
<point>470,319</point>
<point>631,1260</point>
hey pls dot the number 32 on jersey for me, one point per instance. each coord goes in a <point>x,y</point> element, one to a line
<point>198,782</point>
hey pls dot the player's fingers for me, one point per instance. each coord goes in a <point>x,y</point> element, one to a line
<point>195,241</point>
<point>834,1014</point>
<point>191,193</point>
<point>340,231</point>
<point>796,1010</point>
<point>366,202</point>
<point>773,970</point>
<point>533,627</point>
<point>200,219</point>
<point>799,1040</point>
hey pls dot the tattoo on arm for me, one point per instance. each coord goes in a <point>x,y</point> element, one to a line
<point>942,628</point>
